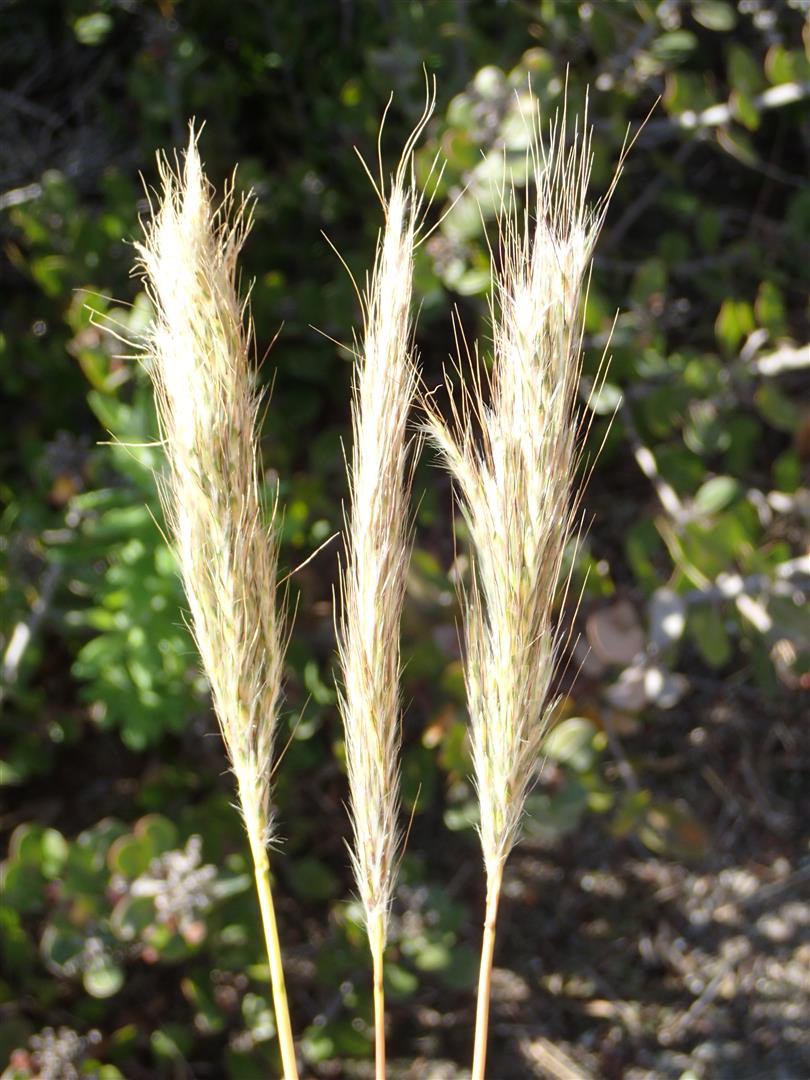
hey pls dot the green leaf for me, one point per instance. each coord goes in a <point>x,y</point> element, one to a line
<point>50,272</point>
<point>92,29</point>
<point>334,1040</point>
<point>104,979</point>
<point>784,65</point>
<point>776,408</point>
<point>53,853</point>
<point>23,886</point>
<point>769,308</point>
<point>399,981</point>
<point>686,91</point>
<point>605,399</point>
<point>433,956</point>
<point>321,693</point>
<point>683,469</point>
<point>44,848</point>
<point>735,321</point>
<point>714,14</point>
<point>173,1042</point>
<point>473,282</point>
<point>745,110</point>
<point>787,471</point>
<point>157,832</point>
<point>259,1017</point>
<point>745,74</point>
<point>739,145</point>
<point>548,817</point>
<point>717,493</point>
<point>707,626</point>
<point>572,743</point>
<point>123,1042</point>
<point>230,885</point>
<point>674,46</point>
<point>705,431</point>
<point>61,945</point>
<point>102,1072</point>
<point>129,856</point>
<point>728,539</point>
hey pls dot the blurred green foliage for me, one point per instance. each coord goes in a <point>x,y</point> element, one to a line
<point>125,868</point>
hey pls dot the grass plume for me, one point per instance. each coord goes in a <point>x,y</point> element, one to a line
<point>511,447</point>
<point>378,543</point>
<point>198,357</point>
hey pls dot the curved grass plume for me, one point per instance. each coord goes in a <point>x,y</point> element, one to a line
<point>378,545</point>
<point>198,356</point>
<point>511,448</point>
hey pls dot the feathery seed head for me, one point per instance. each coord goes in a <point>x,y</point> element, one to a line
<point>378,545</point>
<point>197,354</point>
<point>514,476</point>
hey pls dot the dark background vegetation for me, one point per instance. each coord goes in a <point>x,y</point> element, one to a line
<point>655,921</point>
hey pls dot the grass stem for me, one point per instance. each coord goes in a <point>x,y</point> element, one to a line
<point>494,880</point>
<point>377,942</point>
<point>261,865</point>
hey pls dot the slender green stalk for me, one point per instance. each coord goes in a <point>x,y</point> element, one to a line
<point>261,866</point>
<point>376,936</point>
<point>494,881</point>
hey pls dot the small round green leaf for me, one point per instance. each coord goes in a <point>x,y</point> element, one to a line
<point>158,832</point>
<point>716,494</point>
<point>714,14</point>
<point>104,979</point>
<point>129,856</point>
<point>92,29</point>
<point>571,743</point>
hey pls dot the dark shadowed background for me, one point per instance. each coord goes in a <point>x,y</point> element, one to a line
<point>656,918</point>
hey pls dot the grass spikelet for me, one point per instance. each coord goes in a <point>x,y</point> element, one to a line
<point>198,357</point>
<point>511,448</point>
<point>378,543</point>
